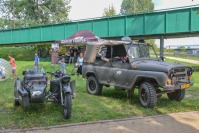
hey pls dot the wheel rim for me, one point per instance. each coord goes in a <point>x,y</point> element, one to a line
<point>144,96</point>
<point>92,85</point>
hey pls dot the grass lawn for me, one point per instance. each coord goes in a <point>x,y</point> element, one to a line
<point>185,63</point>
<point>185,57</point>
<point>110,105</point>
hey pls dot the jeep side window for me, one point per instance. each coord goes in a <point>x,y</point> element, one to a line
<point>119,54</point>
<point>101,55</point>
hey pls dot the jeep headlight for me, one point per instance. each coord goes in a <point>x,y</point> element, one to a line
<point>171,74</point>
<point>169,81</point>
<point>189,72</point>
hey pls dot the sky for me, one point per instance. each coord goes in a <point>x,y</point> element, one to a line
<point>84,9</point>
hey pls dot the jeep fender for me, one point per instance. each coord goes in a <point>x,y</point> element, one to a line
<point>160,78</point>
<point>90,73</point>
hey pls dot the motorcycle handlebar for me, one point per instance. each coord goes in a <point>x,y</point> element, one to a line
<point>52,73</point>
<point>56,74</point>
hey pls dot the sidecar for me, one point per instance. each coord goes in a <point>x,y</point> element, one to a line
<point>32,88</point>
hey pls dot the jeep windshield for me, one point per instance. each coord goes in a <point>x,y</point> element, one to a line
<point>140,52</point>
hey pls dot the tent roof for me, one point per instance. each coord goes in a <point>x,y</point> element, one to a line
<point>81,36</point>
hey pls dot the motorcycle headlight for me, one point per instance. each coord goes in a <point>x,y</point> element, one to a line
<point>65,79</point>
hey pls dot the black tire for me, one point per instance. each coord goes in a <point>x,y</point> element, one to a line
<point>147,95</point>
<point>93,87</point>
<point>67,105</point>
<point>177,95</point>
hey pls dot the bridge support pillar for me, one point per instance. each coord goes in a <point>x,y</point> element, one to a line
<point>161,47</point>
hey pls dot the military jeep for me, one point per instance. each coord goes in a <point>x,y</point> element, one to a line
<point>128,65</point>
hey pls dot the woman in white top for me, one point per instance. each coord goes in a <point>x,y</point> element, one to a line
<point>80,60</point>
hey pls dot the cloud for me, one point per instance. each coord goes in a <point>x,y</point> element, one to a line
<point>83,9</point>
<point>164,4</point>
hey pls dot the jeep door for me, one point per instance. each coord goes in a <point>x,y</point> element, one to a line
<point>102,70</point>
<point>121,74</point>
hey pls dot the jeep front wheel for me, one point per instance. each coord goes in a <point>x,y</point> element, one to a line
<point>147,95</point>
<point>93,87</point>
<point>177,95</point>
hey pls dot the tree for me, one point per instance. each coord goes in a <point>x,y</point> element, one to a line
<point>128,6</point>
<point>182,49</point>
<point>22,13</point>
<point>152,42</point>
<point>110,11</point>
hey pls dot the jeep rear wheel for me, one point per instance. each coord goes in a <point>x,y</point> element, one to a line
<point>93,87</point>
<point>147,95</point>
<point>177,95</point>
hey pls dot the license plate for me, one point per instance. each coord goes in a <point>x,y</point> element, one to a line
<point>185,86</point>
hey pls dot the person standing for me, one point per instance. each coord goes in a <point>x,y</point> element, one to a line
<point>62,66</point>
<point>36,61</point>
<point>72,53</point>
<point>13,65</point>
<point>80,60</point>
<point>76,54</point>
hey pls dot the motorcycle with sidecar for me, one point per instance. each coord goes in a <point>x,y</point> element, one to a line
<point>33,89</point>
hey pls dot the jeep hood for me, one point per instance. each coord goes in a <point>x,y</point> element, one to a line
<point>157,66</point>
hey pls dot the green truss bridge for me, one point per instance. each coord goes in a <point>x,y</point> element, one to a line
<point>157,25</point>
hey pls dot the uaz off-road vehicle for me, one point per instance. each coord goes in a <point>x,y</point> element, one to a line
<point>127,65</point>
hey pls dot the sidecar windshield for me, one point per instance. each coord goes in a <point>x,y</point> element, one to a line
<point>34,70</point>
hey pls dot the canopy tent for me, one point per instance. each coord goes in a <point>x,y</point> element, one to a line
<point>81,36</point>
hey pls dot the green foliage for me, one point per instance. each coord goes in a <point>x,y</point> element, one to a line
<point>43,50</point>
<point>22,13</point>
<point>127,6</point>
<point>152,42</point>
<point>62,50</point>
<point>169,50</point>
<point>85,107</point>
<point>22,54</point>
<point>182,48</point>
<point>110,11</point>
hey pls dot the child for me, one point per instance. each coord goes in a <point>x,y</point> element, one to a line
<point>36,60</point>
<point>13,64</point>
<point>62,66</point>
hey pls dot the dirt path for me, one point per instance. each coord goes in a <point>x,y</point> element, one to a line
<point>187,122</point>
<point>184,60</point>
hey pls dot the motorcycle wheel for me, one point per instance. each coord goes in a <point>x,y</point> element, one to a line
<point>67,105</point>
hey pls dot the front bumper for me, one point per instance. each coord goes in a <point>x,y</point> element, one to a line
<point>176,87</point>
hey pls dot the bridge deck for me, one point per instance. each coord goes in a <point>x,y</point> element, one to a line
<point>163,23</point>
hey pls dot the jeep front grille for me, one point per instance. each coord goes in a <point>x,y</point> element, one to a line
<point>179,70</point>
<point>179,75</point>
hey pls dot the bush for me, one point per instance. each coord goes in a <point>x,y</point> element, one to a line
<point>19,53</point>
